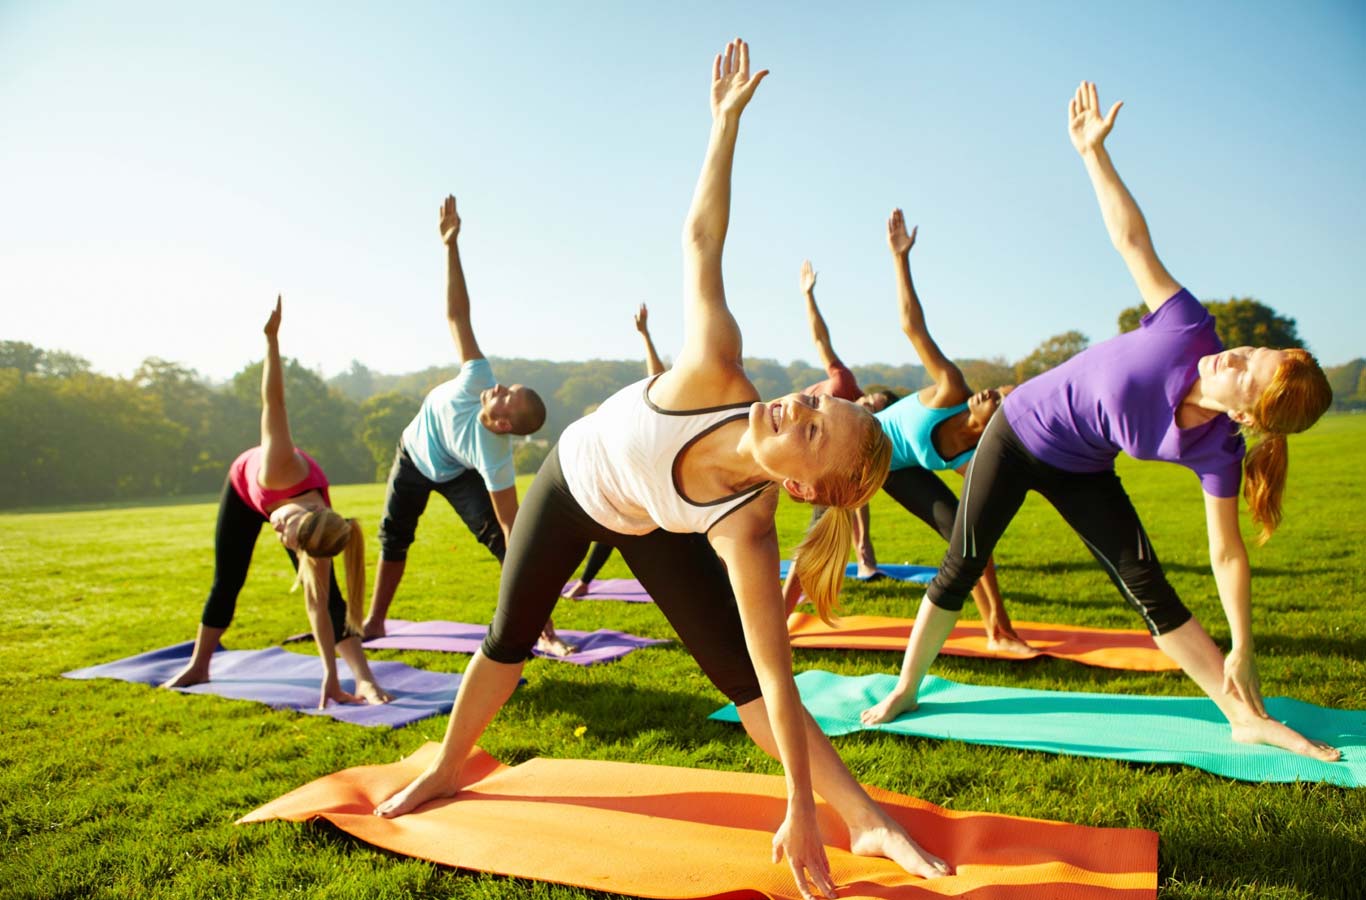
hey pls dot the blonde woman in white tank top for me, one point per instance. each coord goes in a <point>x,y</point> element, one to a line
<point>703,457</point>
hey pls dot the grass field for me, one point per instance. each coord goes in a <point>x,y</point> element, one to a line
<point>110,789</point>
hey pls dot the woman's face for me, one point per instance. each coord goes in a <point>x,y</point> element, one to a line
<point>1236,378</point>
<point>285,520</point>
<point>801,437</point>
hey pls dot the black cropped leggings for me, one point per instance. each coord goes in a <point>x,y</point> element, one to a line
<point>233,542</point>
<point>598,554</point>
<point>680,571</point>
<point>924,494</point>
<point>1093,503</point>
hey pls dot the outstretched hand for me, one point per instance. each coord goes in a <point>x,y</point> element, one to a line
<point>808,277</point>
<point>642,319</point>
<point>731,84</point>
<point>450,220</point>
<point>897,239</point>
<point>1084,123</point>
<point>272,328</point>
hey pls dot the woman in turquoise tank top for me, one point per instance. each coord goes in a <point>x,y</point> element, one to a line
<point>937,428</point>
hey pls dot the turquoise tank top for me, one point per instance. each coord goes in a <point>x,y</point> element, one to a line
<point>909,425</point>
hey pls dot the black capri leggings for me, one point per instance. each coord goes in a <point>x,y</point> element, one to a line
<point>233,542</point>
<point>1093,503</point>
<point>598,555</point>
<point>680,571</point>
<point>924,495</point>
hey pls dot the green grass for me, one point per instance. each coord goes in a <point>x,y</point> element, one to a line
<point>111,789</point>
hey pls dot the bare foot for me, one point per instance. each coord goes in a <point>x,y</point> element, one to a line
<point>893,705</point>
<point>871,574</point>
<point>371,692</point>
<point>372,630</point>
<point>894,844</point>
<point>186,677</point>
<point>433,784</point>
<point>553,645</point>
<point>1010,642</point>
<point>577,591</point>
<point>1273,733</point>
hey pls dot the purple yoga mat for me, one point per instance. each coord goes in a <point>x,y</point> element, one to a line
<point>285,680</point>
<point>627,589</point>
<point>459,637</point>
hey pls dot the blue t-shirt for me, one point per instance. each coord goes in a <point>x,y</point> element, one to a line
<point>1122,394</point>
<point>446,438</point>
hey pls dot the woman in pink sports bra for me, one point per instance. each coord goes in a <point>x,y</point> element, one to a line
<point>278,483</point>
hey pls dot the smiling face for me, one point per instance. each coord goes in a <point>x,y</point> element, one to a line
<point>801,438</point>
<point>1236,378</point>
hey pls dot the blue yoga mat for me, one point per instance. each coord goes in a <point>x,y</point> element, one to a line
<point>894,571</point>
<point>285,680</point>
<point>1186,730</point>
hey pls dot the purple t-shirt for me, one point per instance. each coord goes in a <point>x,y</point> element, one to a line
<point>1122,394</point>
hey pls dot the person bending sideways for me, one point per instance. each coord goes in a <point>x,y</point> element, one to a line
<point>599,553</point>
<point>1168,391</point>
<point>935,429</point>
<point>458,445</point>
<point>278,483</point>
<point>680,472</point>
<point>841,383</point>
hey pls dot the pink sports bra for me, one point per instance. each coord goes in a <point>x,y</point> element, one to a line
<point>243,474</point>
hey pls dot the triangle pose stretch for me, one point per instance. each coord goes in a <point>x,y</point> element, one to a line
<point>278,483</point>
<point>679,472</point>
<point>932,430</point>
<point>458,445</point>
<point>1167,391</point>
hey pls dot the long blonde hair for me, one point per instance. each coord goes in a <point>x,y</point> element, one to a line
<point>820,557</point>
<point>1298,394</point>
<point>323,533</point>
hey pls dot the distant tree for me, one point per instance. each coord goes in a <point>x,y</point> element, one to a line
<point>984,373</point>
<point>1240,322</point>
<point>769,378</point>
<point>382,420</point>
<point>20,356</point>
<point>1346,382</point>
<point>528,456</point>
<point>356,384</point>
<point>60,364</point>
<point>1053,352</point>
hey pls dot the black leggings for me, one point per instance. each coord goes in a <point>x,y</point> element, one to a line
<point>924,495</point>
<point>598,555</point>
<point>680,571</point>
<point>233,542</point>
<point>1093,503</point>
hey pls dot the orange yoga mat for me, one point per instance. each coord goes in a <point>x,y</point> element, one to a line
<point>658,831</point>
<point>1108,648</point>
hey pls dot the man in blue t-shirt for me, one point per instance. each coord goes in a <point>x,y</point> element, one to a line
<point>458,445</point>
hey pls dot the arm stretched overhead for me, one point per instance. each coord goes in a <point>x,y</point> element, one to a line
<point>819,333</point>
<point>1123,220</point>
<point>940,369</point>
<point>280,465</point>
<point>653,364</point>
<point>457,295</point>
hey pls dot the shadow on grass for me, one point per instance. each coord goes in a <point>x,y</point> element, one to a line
<point>1312,645</point>
<point>108,505</point>
<point>1087,566</point>
<point>617,713</point>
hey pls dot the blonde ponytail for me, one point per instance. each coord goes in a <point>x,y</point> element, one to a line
<point>820,558</point>
<point>325,534</point>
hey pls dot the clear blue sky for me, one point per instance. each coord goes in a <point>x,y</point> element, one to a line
<point>165,168</point>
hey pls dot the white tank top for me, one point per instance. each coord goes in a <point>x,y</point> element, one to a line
<point>619,463</point>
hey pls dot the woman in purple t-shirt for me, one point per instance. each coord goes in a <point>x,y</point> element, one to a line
<point>1168,391</point>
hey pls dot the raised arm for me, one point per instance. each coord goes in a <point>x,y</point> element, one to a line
<point>712,337</point>
<point>940,369</point>
<point>819,333</point>
<point>457,295</point>
<point>1123,220</point>
<point>653,364</point>
<point>280,465</point>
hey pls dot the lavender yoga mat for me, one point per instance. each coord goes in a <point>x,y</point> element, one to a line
<point>459,637</point>
<point>285,680</point>
<point>627,589</point>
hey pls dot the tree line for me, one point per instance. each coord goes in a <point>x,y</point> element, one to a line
<point>69,434</point>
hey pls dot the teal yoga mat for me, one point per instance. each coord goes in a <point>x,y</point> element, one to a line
<point>1185,730</point>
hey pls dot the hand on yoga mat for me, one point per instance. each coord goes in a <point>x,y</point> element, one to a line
<point>1241,681</point>
<point>799,840</point>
